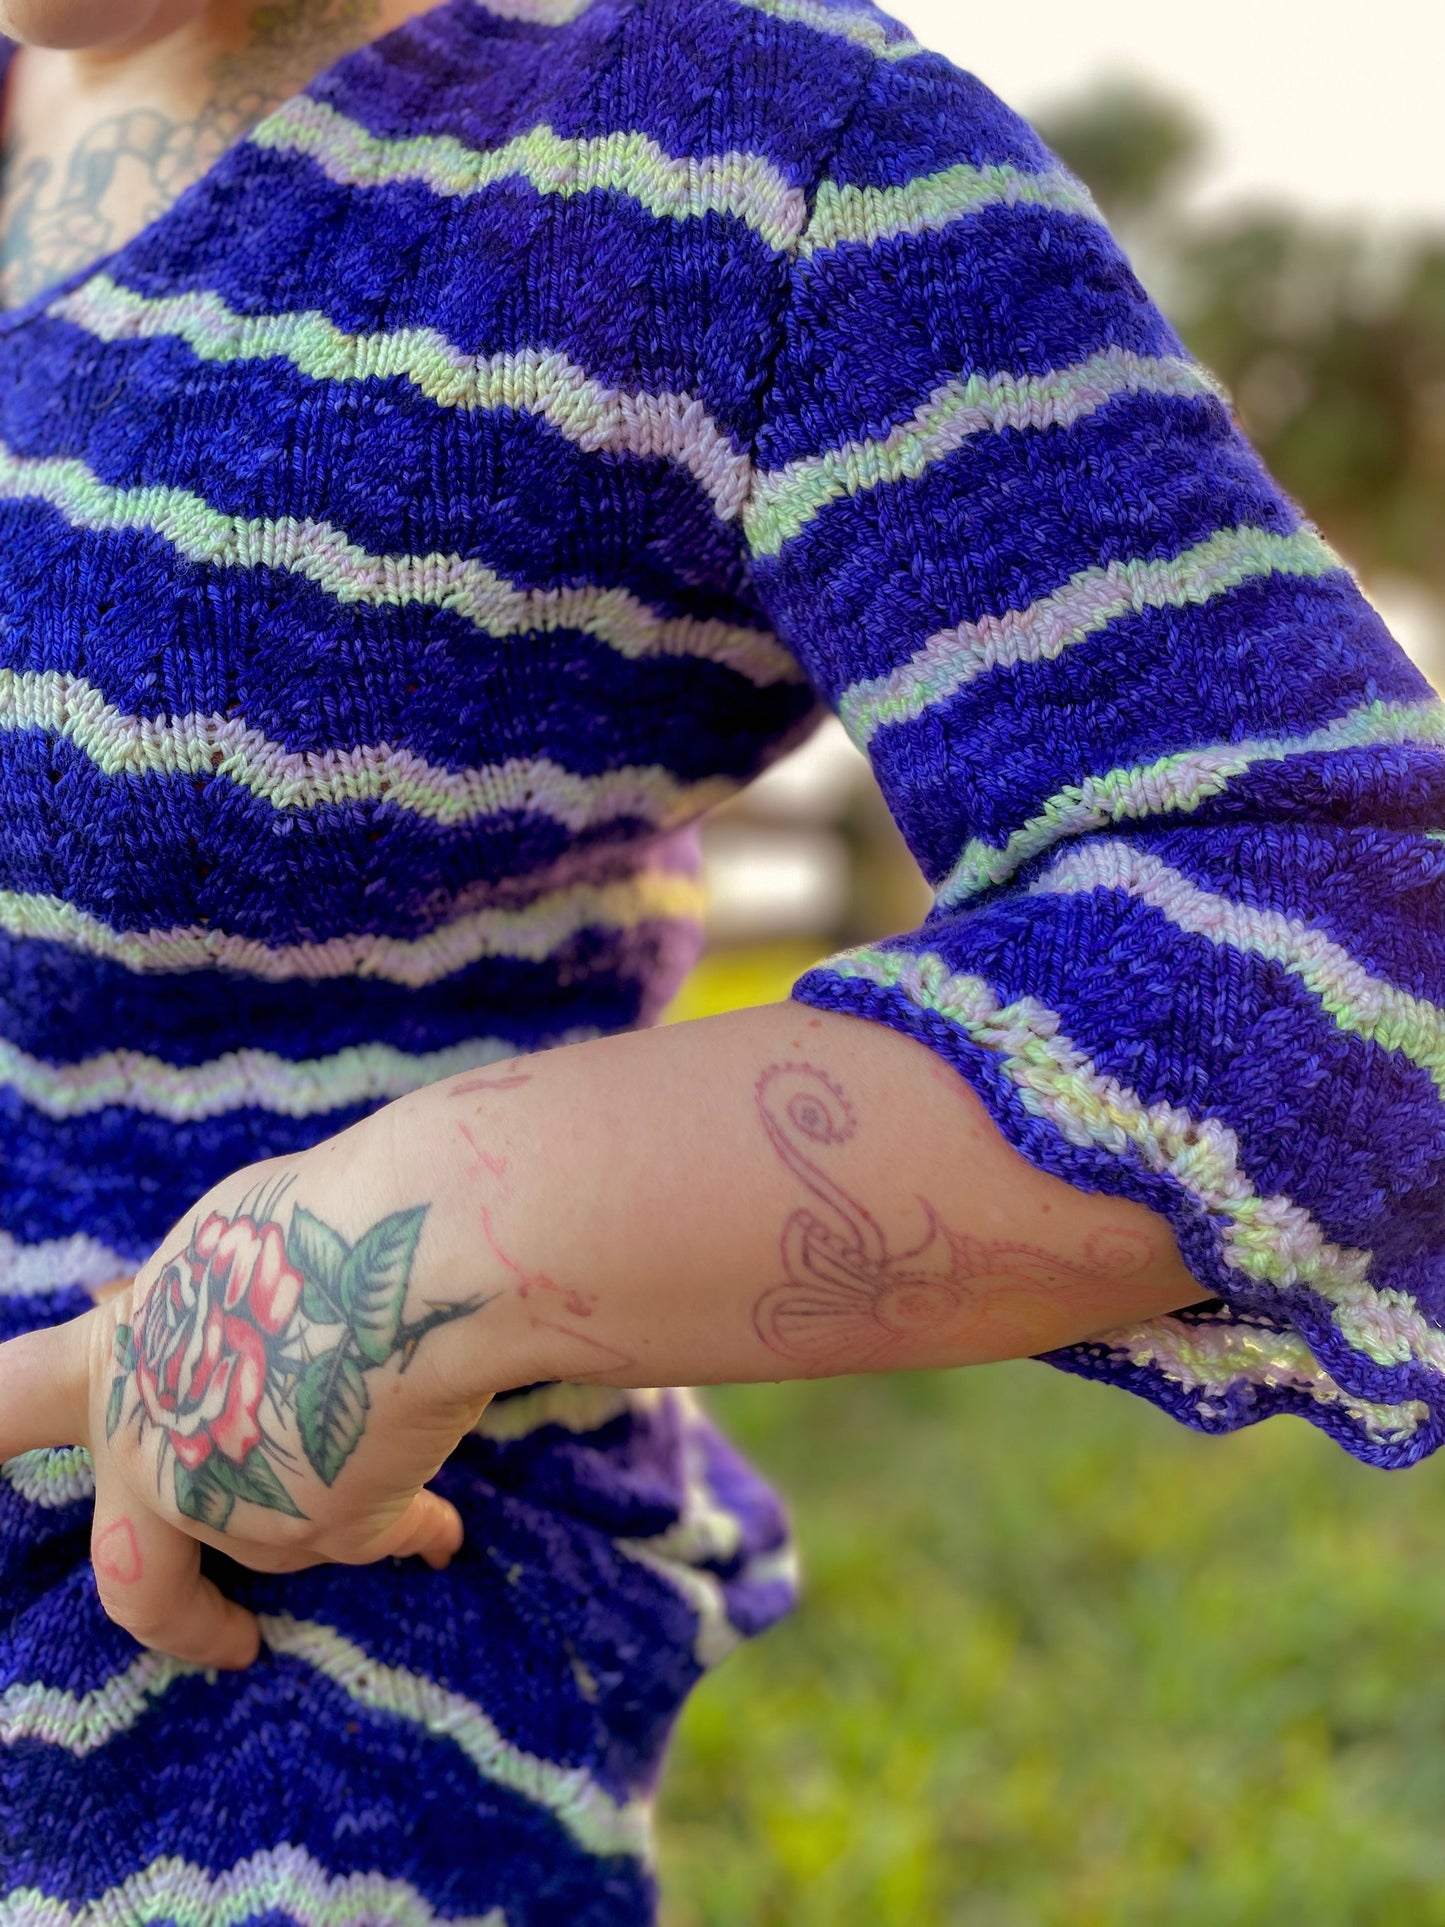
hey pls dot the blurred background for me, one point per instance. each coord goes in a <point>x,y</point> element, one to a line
<point>1061,1661</point>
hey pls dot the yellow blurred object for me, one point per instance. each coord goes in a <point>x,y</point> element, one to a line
<point>740,977</point>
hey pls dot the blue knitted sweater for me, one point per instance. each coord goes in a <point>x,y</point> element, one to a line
<point>488,465</point>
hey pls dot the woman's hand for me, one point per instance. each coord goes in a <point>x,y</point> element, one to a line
<point>268,1385</point>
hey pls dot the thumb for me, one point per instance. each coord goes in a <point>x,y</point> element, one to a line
<point>45,1387</point>
<point>430,1528</point>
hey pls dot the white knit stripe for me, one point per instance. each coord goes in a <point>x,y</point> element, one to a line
<point>534,932</point>
<point>1269,1239</point>
<point>784,501</point>
<point>243,1079</point>
<point>231,749</point>
<point>1358,1002</point>
<point>1211,1359</point>
<point>51,1477</point>
<point>591,414</point>
<point>746,187</point>
<point>1091,600</point>
<point>537,13</point>
<point>326,556</point>
<point>859,24</point>
<point>283,1880</point>
<point>57,1264</point>
<point>82,1722</point>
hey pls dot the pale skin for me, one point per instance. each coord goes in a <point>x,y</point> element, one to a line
<point>774,1194</point>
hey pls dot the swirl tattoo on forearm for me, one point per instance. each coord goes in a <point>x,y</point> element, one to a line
<point>849,1302</point>
<point>253,1336</point>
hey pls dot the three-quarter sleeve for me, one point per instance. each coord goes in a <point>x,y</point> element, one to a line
<point>1179,794</point>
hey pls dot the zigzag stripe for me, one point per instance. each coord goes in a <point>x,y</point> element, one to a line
<point>120,744</point>
<point>534,381</point>
<point>326,556</point>
<point>539,13</point>
<point>672,187</point>
<point>283,1881</point>
<point>81,1723</point>
<point>784,500</point>
<point>51,1477</point>
<point>575,1408</point>
<point>533,933</point>
<point>1214,1358</point>
<point>864,29</point>
<point>1271,1240</point>
<point>1087,603</point>
<point>242,1079</point>
<point>1358,1002</point>
<point>1178,784</point>
<point>847,215</point>
<point>59,1264</point>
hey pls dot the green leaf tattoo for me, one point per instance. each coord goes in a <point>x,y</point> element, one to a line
<point>331,1409</point>
<point>222,1361</point>
<point>373,1282</point>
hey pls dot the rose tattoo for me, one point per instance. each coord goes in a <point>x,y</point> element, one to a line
<point>251,1334</point>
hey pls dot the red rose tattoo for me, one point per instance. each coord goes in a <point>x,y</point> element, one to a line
<point>252,1336</point>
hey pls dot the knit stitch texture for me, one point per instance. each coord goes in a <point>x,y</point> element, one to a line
<point>488,466</point>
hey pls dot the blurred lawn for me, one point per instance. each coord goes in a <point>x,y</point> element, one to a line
<point>1062,1661</point>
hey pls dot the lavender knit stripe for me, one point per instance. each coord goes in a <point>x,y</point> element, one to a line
<point>51,1478</point>
<point>1088,602</point>
<point>1365,1005</point>
<point>785,500</point>
<point>1212,1359</point>
<point>534,932</point>
<point>1271,1240</point>
<point>592,415</point>
<point>672,187</point>
<point>81,1723</point>
<point>1178,784</point>
<point>243,1079</point>
<point>326,556</point>
<point>58,1264</point>
<point>283,1881</point>
<point>228,747</point>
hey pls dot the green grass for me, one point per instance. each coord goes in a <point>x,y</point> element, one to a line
<point>1062,1661</point>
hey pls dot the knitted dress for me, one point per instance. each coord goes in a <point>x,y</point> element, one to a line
<point>487,466</point>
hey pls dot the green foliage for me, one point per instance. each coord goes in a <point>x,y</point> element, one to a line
<point>1062,1663</point>
<point>1132,146</point>
<point>201,1495</point>
<point>331,1408</point>
<point>317,1253</point>
<point>373,1279</point>
<point>252,1479</point>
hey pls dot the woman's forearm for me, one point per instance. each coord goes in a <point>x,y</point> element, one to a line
<point>774,1193</point>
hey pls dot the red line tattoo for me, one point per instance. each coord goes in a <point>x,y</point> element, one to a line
<point>115,1554</point>
<point>850,1301</point>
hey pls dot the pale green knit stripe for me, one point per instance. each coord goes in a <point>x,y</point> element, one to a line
<point>1178,784</point>
<point>283,1880</point>
<point>240,1079</point>
<point>326,556</point>
<point>1269,1239</point>
<point>1087,603</point>
<point>52,1477</point>
<point>598,1823</point>
<point>672,187</point>
<point>589,413</point>
<point>533,932</point>
<point>228,747</point>
<point>81,1723</point>
<point>863,28</point>
<point>573,1408</point>
<point>785,500</point>
<point>539,13</point>
<point>844,215</point>
<point>1362,1004</point>
<point>1213,1359</point>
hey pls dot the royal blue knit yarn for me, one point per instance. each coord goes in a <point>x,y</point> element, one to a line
<point>487,465</point>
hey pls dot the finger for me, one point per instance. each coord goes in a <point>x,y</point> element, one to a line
<point>45,1388</point>
<point>148,1575</point>
<point>430,1529</point>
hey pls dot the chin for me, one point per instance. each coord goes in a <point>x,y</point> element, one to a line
<point>72,24</point>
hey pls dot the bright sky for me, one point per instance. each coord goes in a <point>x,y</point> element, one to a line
<point>1329,103</point>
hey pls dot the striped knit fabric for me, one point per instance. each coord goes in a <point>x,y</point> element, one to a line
<point>485,468</point>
